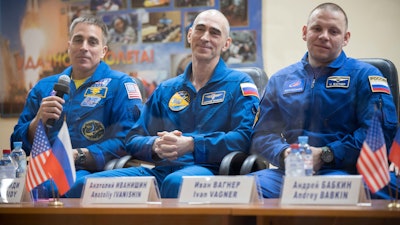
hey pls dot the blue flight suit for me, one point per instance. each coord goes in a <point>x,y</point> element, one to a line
<point>333,106</point>
<point>219,117</point>
<point>99,114</point>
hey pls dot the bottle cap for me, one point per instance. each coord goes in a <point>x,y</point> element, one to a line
<point>294,146</point>
<point>17,144</point>
<point>6,151</point>
<point>303,139</point>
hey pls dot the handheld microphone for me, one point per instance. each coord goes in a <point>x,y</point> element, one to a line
<point>61,88</point>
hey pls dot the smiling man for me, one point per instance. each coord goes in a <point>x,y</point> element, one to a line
<point>193,120</point>
<point>328,97</point>
<point>101,107</point>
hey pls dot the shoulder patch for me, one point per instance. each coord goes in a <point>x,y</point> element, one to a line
<point>133,91</point>
<point>249,89</point>
<point>378,84</point>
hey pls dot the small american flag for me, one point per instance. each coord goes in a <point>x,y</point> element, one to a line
<point>372,163</point>
<point>133,91</point>
<point>36,173</point>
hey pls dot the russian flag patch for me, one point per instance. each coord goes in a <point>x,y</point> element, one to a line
<point>379,84</point>
<point>249,89</point>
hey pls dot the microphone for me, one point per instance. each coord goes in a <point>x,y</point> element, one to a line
<point>61,88</point>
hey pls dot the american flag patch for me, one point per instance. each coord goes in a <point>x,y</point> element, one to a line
<point>249,89</point>
<point>379,84</point>
<point>133,91</point>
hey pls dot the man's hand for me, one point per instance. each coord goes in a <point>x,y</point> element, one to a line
<point>317,151</point>
<point>172,145</point>
<point>394,168</point>
<point>50,108</point>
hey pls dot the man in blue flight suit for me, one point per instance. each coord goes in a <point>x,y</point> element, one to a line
<point>101,107</point>
<point>326,96</point>
<point>193,120</point>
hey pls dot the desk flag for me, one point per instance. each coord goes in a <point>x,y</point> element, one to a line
<point>394,155</point>
<point>41,148</point>
<point>372,163</point>
<point>60,163</point>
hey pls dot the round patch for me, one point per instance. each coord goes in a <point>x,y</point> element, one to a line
<point>179,101</point>
<point>93,130</point>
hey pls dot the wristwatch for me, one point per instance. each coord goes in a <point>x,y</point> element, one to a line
<point>81,159</point>
<point>327,155</point>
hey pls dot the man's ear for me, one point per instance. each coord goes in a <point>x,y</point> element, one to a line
<point>227,44</point>
<point>105,49</point>
<point>189,36</point>
<point>304,33</point>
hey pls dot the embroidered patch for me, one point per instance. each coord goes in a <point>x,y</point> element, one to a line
<point>179,101</point>
<point>249,89</point>
<point>100,92</point>
<point>133,91</point>
<point>90,101</point>
<point>93,130</point>
<point>338,82</point>
<point>102,83</point>
<point>213,97</point>
<point>379,84</point>
<point>293,86</point>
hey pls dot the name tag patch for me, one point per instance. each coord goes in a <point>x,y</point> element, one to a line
<point>90,101</point>
<point>338,82</point>
<point>213,98</point>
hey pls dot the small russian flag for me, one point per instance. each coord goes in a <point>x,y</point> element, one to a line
<point>249,89</point>
<point>379,84</point>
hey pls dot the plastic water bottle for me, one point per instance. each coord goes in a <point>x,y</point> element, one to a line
<point>307,155</point>
<point>19,157</point>
<point>7,165</point>
<point>294,164</point>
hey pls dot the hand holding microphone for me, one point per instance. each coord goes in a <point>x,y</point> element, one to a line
<point>61,88</point>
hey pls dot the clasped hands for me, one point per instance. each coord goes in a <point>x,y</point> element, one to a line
<point>172,145</point>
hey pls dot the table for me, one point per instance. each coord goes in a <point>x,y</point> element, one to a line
<point>170,211</point>
<point>271,212</point>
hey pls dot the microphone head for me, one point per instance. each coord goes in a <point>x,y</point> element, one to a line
<point>62,87</point>
<point>64,79</point>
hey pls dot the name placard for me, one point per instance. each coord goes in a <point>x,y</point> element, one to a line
<point>219,189</point>
<point>120,190</point>
<point>324,190</point>
<point>12,190</point>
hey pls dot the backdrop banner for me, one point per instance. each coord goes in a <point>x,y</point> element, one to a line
<point>147,39</point>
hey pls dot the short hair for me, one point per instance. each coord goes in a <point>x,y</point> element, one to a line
<point>333,7</point>
<point>93,20</point>
<point>216,12</point>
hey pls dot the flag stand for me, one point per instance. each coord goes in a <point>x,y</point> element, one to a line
<point>395,203</point>
<point>56,199</point>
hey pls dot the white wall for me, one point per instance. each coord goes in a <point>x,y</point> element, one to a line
<point>374,27</point>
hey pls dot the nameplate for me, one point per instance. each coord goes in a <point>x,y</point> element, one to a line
<point>323,190</point>
<point>120,190</point>
<point>12,190</point>
<point>219,189</point>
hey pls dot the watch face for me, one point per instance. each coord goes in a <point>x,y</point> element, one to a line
<point>327,155</point>
<point>82,159</point>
